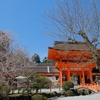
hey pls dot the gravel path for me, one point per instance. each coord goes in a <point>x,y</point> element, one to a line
<point>88,97</point>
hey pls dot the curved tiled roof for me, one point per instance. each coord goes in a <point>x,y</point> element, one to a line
<point>43,67</point>
<point>70,46</point>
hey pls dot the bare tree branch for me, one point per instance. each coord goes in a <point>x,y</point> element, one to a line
<point>78,20</point>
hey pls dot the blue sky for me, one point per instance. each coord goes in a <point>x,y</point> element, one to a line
<point>24,18</point>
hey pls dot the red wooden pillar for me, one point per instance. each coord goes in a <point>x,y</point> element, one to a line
<point>80,77</point>
<point>60,77</point>
<point>83,77</point>
<point>68,74</point>
<point>91,80</point>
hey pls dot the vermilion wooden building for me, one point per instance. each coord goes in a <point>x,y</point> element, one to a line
<point>73,59</point>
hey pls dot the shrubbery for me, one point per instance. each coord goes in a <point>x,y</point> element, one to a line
<point>68,90</point>
<point>69,93</point>
<point>38,97</point>
<point>67,85</point>
<point>80,91</point>
<point>63,92</point>
<point>4,92</point>
<point>84,91</point>
<point>41,82</point>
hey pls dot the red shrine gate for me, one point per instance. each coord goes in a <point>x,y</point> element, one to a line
<point>72,59</point>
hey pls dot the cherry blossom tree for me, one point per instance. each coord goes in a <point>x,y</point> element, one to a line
<point>12,57</point>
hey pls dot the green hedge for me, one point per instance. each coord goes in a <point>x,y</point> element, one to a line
<point>67,85</point>
<point>38,97</point>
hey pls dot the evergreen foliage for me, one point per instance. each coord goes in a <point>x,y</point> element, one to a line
<point>36,58</point>
<point>38,97</point>
<point>67,85</point>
